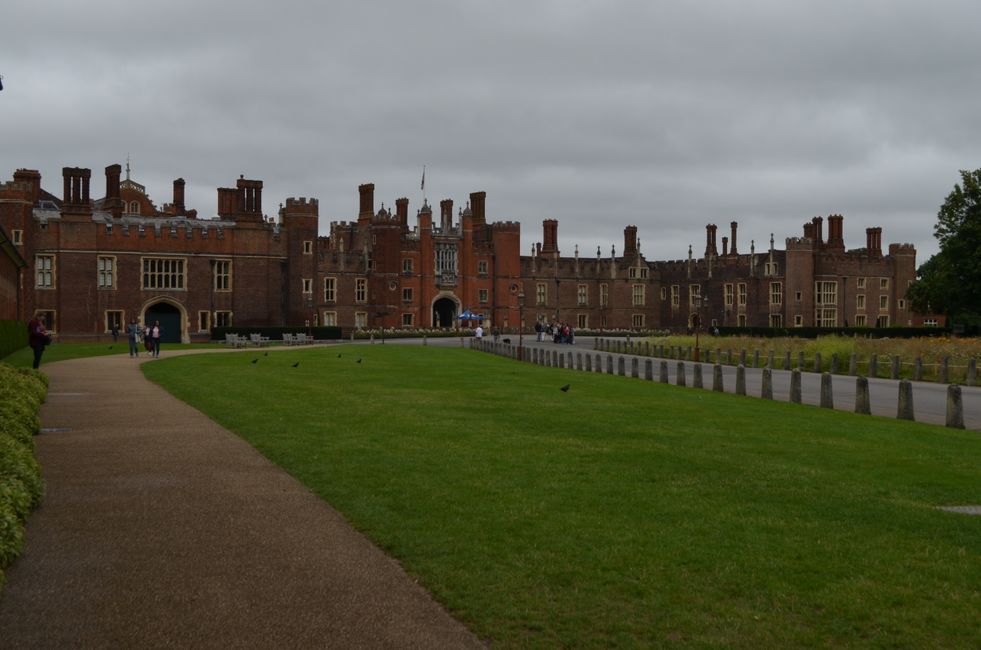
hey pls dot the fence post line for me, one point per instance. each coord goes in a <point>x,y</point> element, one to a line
<point>827,393</point>
<point>766,389</point>
<point>918,369</point>
<point>742,357</point>
<point>769,360</point>
<point>578,360</point>
<point>599,363</point>
<point>972,372</point>
<point>795,386</point>
<point>945,370</point>
<point>649,369</point>
<point>800,360</point>
<point>589,363</point>
<point>663,372</point>
<point>904,411</point>
<point>874,365</point>
<point>895,366</point>
<point>696,375</point>
<point>634,367</point>
<point>756,358</point>
<point>862,403</point>
<point>834,363</point>
<point>740,379</point>
<point>717,378</point>
<point>609,364</point>
<point>679,376</point>
<point>562,360</point>
<point>852,364</point>
<point>786,360</point>
<point>955,407</point>
<point>817,362</point>
<point>621,367</point>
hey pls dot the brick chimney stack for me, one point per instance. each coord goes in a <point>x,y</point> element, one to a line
<point>818,230</point>
<point>76,197</point>
<point>367,209</point>
<point>477,200</point>
<point>550,236</point>
<point>402,210</point>
<point>179,197</point>
<point>30,177</point>
<point>630,241</point>
<point>710,234</point>
<point>446,214</point>
<point>733,226</point>
<point>725,246</point>
<point>836,239</point>
<point>873,241</point>
<point>113,202</point>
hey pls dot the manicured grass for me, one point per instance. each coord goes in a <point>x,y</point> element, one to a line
<point>24,357</point>
<point>623,512</point>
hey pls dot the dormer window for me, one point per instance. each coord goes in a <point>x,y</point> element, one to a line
<point>134,207</point>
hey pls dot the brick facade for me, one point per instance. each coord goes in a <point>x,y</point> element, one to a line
<point>91,261</point>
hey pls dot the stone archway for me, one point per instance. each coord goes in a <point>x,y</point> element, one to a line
<point>172,317</point>
<point>445,311</point>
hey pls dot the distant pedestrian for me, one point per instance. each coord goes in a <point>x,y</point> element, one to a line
<point>539,331</point>
<point>155,333</point>
<point>479,332</point>
<point>496,333</point>
<point>133,336</point>
<point>38,338</point>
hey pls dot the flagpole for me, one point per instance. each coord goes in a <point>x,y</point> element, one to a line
<point>422,185</point>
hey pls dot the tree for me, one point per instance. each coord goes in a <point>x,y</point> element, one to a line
<point>950,281</point>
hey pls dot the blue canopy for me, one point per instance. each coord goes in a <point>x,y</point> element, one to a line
<point>469,315</point>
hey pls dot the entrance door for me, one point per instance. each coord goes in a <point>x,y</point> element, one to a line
<point>170,321</point>
<point>444,313</point>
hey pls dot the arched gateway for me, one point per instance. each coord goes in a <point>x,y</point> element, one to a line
<point>445,310</point>
<point>171,319</point>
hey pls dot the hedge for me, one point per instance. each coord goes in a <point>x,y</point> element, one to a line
<point>13,336</point>
<point>21,393</point>
<point>276,333</point>
<point>814,332</point>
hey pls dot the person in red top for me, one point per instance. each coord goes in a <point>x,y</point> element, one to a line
<point>37,338</point>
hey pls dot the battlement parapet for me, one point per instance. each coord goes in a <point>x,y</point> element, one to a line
<point>902,249</point>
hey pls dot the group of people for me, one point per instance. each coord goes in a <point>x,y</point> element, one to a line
<point>149,335</point>
<point>559,332</point>
<point>39,338</point>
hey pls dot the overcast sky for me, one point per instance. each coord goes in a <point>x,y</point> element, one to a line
<point>664,115</point>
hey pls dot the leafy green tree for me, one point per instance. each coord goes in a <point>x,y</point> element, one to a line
<point>950,281</point>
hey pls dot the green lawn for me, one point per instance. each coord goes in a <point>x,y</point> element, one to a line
<point>621,513</point>
<point>24,357</point>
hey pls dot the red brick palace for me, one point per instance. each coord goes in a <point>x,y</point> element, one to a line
<point>89,264</point>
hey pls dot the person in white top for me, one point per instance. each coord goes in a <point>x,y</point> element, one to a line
<point>479,332</point>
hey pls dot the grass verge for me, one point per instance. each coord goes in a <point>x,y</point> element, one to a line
<point>24,357</point>
<point>623,512</point>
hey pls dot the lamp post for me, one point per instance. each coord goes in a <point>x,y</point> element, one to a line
<point>521,322</point>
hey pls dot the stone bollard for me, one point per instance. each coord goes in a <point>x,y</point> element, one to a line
<point>621,369</point>
<point>769,360</point>
<point>425,341</point>
<point>371,339</point>
<point>740,379</point>
<point>895,367</point>
<point>578,360</point>
<point>756,358</point>
<point>795,386</point>
<point>972,372</point>
<point>609,364</point>
<point>834,363</point>
<point>688,353</point>
<point>696,375</point>
<point>717,378</point>
<point>863,404</point>
<point>852,364</point>
<point>918,369</point>
<point>874,365</point>
<point>827,393</point>
<point>599,363</point>
<point>905,408</point>
<point>589,362</point>
<point>649,369</point>
<point>817,362</point>
<point>786,360</point>
<point>663,372</point>
<point>679,375</point>
<point>800,360</point>
<point>634,367</point>
<point>562,360</point>
<point>766,389</point>
<point>945,371</point>
<point>955,407</point>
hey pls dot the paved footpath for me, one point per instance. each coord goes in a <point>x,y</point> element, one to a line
<point>160,528</point>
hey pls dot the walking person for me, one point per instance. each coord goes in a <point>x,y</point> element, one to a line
<point>133,335</point>
<point>155,333</point>
<point>479,332</point>
<point>38,338</point>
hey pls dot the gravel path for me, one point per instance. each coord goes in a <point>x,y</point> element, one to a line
<point>162,529</point>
